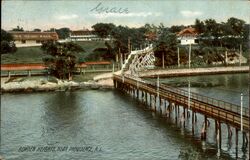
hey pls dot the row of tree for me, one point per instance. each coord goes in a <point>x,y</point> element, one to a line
<point>212,35</point>
<point>225,34</point>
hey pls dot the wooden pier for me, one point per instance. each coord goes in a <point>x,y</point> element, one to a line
<point>167,101</point>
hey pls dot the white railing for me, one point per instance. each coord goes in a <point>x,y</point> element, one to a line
<point>138,56</point>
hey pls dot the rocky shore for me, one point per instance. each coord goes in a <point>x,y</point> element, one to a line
<point>41,84</point>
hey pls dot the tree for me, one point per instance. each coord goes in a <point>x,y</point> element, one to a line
<point>199,26</point>
<point>103,30</point>
<point>63,33</point>
<point>37,30</point>
<point>18,28</point>
<point>62,60</point>
<point>237,26</point>
<point>165,50</point>
<point>176,29</point>
<point>211,27</point>
<point>246,37</point>
<point>7,44</point>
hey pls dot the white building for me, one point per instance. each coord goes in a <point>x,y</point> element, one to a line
<point>187,36</point>
<point>83,35</point>
<point>27,39</point>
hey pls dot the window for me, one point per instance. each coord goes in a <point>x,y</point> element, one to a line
<point>23,41</point>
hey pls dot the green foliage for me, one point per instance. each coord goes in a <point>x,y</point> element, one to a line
<point>100,53</point>
<point>166,47</point>
<point>236,25</point>
<point>7,44</point>
<point>18,28</point>
<point>123,34</point>
<point>7,47</point>
<point>229,34</point>
<point>199,26</point>
<point>37,30</point>
<point>213,38</point>
<point>81,60</point>
<point>176,29</point>
<point>63,33</point>
<point>5,36</point>
<point>89,47</point>
<point>103,29</point>
<point>62,63</point>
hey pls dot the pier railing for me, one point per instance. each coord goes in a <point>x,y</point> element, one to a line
<point>212,102</point>
<point>208,100</point>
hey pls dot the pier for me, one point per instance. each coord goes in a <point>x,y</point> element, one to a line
<point>168,101</point>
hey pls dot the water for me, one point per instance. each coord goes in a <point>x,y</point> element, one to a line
<point>114,124</point>
<point>227,87</point>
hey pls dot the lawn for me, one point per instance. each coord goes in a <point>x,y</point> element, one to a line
<point>24,55</point>
<point>35,54</point>
<point>89,46</point>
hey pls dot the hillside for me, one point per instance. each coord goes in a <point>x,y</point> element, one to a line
<point>35,54</point>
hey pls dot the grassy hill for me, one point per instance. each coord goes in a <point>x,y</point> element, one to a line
<point>89,46</point>
<point>35,54</point>
<point>24,55</point>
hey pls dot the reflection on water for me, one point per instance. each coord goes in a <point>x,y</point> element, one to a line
<point>111,120</point>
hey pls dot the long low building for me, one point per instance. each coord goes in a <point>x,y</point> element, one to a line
<point>85,35</point>
<point>27,39</point>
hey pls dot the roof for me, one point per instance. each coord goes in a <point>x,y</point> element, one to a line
<point>151,36</point>
<point>97,63</point>
<point>190,31</point>
<point>14,67</point>
<point>81,65</point>
<point>82,32</point>
<point>17,35</point>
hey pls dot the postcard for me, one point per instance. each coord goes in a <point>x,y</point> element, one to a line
<point>125,79</point>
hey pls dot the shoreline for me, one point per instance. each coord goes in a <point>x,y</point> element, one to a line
<point>102,81</point>
<point>42,84</point>
<point>193,71</point>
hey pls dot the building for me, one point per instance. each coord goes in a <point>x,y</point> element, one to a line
<point>187,36</point>
<point>83,35</point>
<point>27,39</point>
<point>151,36</point>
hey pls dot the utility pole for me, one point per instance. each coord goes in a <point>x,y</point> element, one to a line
<point>178,52</point>
<point>158,85</point>
<point>129,47</point>
<point>163,60</point>
<point>241,108</point>
<point>121,58</point>
<point>226,56</point>
<point>189,56</point>
<point>189,62</point>
<point>240,54</point>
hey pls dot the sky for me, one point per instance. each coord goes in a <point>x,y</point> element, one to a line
<point>77,14</point>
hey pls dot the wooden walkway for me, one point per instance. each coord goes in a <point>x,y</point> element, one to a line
<point>156,96</point>
<point>217,109</point>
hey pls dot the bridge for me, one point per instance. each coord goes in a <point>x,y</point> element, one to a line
<point>139,60</point>
<point>168,101</point>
